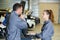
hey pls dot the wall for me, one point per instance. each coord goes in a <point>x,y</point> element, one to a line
<point>34,7</point>
<point>49,1</point>
<point>52,6</point>
<point>59,14</point>
<point>7,3</point>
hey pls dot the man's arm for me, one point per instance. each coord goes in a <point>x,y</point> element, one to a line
<point>22,24</point>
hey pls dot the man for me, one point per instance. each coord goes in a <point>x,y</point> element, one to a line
<point>16,23</point>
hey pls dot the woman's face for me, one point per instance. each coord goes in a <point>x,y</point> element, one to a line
<point>45,16</point>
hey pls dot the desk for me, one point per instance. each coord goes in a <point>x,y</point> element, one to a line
<point>32,36</point>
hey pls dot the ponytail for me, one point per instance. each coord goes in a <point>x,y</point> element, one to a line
<point>51,16</point>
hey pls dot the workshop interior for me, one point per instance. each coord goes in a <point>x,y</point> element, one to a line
<point>32,11</point>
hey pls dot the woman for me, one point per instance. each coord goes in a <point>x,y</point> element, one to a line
<point>47,30</point>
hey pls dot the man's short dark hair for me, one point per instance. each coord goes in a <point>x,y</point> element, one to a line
<point>16,6</point>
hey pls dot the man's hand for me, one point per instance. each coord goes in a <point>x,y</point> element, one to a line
<point>37,36</point>
<point>22,17</point>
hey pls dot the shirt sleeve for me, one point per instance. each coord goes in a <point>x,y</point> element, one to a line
<point>21,24</point>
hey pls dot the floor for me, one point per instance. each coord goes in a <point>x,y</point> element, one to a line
<point>37,29</point>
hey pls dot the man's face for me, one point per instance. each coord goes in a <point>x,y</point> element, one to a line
<point>20,10</point>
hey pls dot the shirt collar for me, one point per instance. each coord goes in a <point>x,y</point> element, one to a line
<point>15,13</point>
<point>47,21</point>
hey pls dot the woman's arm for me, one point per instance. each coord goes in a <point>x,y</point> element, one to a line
<point>48,31</point>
